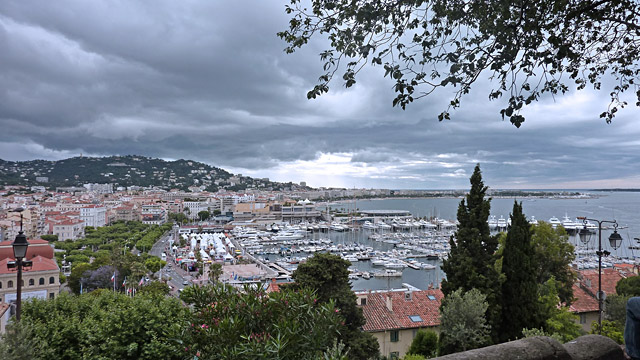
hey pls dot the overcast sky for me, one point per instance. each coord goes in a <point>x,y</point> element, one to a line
<point>209,81</point>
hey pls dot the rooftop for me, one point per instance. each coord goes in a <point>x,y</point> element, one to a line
<point>410,309</point>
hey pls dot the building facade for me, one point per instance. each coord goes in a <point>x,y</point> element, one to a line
<point>394,317</point>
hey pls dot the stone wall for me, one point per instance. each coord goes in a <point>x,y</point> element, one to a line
<point>588,347</point>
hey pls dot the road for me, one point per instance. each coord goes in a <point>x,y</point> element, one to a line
<point>178,277</point>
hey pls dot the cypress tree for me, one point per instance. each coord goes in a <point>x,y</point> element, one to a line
<point>471,261</point>
<point>519,289</point>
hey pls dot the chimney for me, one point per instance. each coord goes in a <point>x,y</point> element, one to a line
<point>407,295</point>
<point>389,302</point>
<point>588,282</point>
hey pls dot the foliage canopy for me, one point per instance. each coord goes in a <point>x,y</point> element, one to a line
<point>328,276</point>
<point>527,48</point>
<point>462,321</point>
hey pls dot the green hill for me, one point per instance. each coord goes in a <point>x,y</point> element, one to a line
<point>124,171</point>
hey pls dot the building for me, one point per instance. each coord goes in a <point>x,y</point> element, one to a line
<point>93,215</point>
<point>126,212</point>
<point>585,306</point>
<point>42,280</point>
<point>395,316</point>
<point>586,288</point>
<point>194,208</point>
<point>153,214</point>
<point>303,211</point>
<point>68,229</point>
<point>99,188</point>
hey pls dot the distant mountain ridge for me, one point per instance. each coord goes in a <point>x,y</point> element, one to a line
<point>130,170</point>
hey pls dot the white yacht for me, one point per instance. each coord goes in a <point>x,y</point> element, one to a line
<point>337,227</point>
<point>383,226</point>
<point>554,221</point>
<point>502,223</point>
<point>388,273</point>
<point>368,225</point>
<point>289,235</point>
<point>533,221</point>
<point>569,224</point>
<point>493,222</point>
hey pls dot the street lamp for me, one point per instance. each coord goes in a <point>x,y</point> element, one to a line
<point>615,240</point>
<point>20,245</point>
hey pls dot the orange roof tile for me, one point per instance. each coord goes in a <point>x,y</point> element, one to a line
<point>584,302</point>
<point>379,317</point>
<point>40,263</point>
<point>610,277</point>
<point>37,247</point>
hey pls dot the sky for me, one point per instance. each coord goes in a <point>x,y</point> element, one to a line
<point>209,81</point>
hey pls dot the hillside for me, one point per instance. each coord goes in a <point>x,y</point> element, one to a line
<point>127,171</point>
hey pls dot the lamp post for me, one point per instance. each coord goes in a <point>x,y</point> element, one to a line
<point>20,245</point>
<point>615,240</point>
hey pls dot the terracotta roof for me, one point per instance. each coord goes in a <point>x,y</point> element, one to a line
<point>37,247</point>
<point>610,277</point>
<point>584,302</point>
<point>380,318</point>
<point>40,263</point>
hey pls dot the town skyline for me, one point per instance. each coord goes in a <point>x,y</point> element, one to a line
<point>194,84</point>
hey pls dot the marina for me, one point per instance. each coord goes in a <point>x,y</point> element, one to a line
<point>386,251</point>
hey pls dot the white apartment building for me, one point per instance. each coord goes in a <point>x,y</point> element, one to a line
<point>68,229</point>
<point>93,215</point>
<point>99,188</point>
<point>243,198</point>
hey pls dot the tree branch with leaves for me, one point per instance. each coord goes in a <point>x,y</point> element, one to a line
<point>528,49</point>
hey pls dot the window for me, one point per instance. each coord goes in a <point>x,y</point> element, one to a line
<point>41,281</point>
<point>583,318</point>
<point>415,318</point>
<point>10,284</point>
<point>52,295</point>
<point>363,301</point>
<point>0,284</point>
<point>394,336</point>
<point>431,297</point>
<point>52,280</point>
<point>394,355</point>
<point>31,282</point>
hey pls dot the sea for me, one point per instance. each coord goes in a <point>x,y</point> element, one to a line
<point>623,207</point>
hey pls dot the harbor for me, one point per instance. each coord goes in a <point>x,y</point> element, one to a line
<point>387,248</point>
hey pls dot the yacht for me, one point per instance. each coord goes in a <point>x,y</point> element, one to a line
<point>289,235</point>
<point>533,221</point>
<point>368,225</point>
<point>554,221</point>
<point>337,227</point>
<point>502,223</point>
<point>383,226</point>
<point>388,273</point>
<point>570,225</point>
<point>395,265</point>
<point>493,222</point>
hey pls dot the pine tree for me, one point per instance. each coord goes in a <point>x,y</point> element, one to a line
<point>472,257</point>
<point>519,289</point>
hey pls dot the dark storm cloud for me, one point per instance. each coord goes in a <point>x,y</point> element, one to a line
<point>209,81</point>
